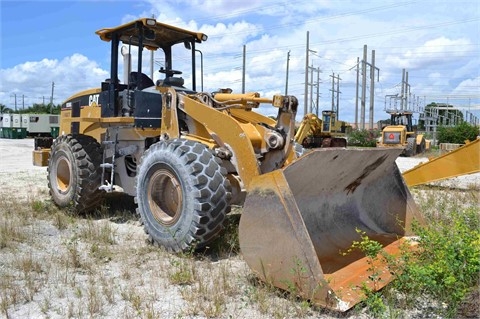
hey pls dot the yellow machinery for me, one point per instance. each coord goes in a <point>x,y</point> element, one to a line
<point>325,132</point>
<point>186,156</point>
<point>461,161</point>
<point>400,133</point>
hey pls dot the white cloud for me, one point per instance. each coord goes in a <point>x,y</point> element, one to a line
<point>33,80</point>
<point>467,86</point>
<point>432,52</point>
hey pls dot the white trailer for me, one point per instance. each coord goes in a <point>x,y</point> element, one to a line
<point>42,124</point>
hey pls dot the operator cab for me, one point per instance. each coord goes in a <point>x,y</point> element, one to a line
<point>139,95</point>
<point>404,119</point>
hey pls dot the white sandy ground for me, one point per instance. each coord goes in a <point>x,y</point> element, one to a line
<point>131,281</point>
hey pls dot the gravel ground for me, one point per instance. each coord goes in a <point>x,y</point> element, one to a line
<point>131,270</point>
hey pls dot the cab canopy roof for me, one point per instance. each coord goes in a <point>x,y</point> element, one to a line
<point>155,34</point>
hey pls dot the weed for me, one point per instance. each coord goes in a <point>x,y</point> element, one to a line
<point>94,299</point>
<point>100,232</point>
<point>227,244</point>
<point>73,256</point>
<point>372,250</point>
<point>181,271</point>
<point>11,232</point>
<point>133,297</point>
<point>60,220</point>
<point>447,263</point>
<point>46,304</point>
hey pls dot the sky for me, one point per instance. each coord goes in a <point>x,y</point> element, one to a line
<point>436,41</point>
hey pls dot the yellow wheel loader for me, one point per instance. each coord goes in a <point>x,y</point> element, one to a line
<point>187,156</point>
<point>400,133</point>
<point>326,132</point>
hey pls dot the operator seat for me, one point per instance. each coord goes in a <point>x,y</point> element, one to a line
<point>173,81</point>
<point>139,81</point>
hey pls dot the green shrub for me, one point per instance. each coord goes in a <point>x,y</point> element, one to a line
<point>457,134</point>
<point>363,138</point>
<point>447,263</point>
<point>444,268</point>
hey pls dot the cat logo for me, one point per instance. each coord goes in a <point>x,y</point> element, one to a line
<point>93,100</point>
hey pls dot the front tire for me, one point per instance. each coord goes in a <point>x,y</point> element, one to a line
<point>182,194</point>
<point>411,147</point>
<point>73,172</point>
<point>421,146</point>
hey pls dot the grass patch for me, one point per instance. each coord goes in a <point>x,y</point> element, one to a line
<point>444,270</point>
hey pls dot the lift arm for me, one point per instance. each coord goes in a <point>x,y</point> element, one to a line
<point>462,161</point>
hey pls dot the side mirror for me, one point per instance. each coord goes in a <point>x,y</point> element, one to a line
<point>187,45</point>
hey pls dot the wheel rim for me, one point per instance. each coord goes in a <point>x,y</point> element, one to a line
<point>165,197</point>
<point>63,174</point>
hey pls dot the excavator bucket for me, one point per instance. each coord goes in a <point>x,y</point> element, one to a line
<point>298,222</point>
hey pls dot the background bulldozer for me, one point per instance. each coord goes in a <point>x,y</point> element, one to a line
<point>400,133</point>
<point>187,156</point>
<point>326,132</point>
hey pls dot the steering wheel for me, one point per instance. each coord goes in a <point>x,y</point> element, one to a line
<point>169,72</point>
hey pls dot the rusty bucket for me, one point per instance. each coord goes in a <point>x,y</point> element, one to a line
<point>299,221</point>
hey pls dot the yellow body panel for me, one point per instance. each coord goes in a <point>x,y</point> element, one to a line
<point>230,132</point>
<point>40,157</point>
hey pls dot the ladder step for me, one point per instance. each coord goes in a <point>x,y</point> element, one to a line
<point>108,142</point>
<point>107,165</point>
<point>107,188</point>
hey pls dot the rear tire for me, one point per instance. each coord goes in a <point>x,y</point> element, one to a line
<point>182,194</point>
<point>339,142</point>
<point>73,172</point>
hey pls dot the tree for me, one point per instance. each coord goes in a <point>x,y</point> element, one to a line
<point>4,109</point>
<point>41,109</point>
<point>457,134</point>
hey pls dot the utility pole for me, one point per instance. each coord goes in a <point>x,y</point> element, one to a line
<point>356,93</point>
<point>364,88</point>
<point>335,91</point>
<point>23,101</point>
<point>286,80</point>
<point>312,107</point>
<point>405,90</point>
<point>338,95</point>
<point>305,105</point>
<point>318,91</point>
<point>243,68</point>
<point>402,89</point>
<point>372,88</point>
<point>51,98</point>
